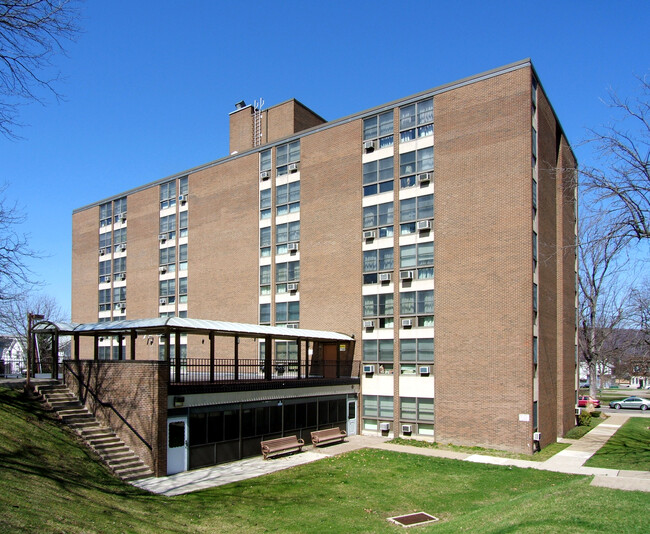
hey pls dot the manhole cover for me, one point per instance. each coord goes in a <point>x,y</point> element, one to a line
<point>413,520</point>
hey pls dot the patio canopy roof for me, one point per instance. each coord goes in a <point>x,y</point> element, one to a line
<point>161,325</point>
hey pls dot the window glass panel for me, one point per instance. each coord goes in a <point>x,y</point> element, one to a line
<point>370,305</point>
<point>386,304</point>
<point>370,350</point>
<point>425,254</point>
<point>265,236</point>
<point>407,256</point>
<point>265,160</point>
<point>407,211</point>
<point>425,350</point>
<point>386,350</point>
<point>408,408</point>
<point>369,260</point>
<point>386,123</point>
<point>385,213</point>
<point>370,216</point>
<point>386,407</point>
<point>385,259</point>
<point>265,313</point>
<point>425,159</point>
<point>425,207</point>
<point>407,163</point>
<point>425,301</point>
<point>369,128</point>
<point>408,350</point>
<point>407,117</point>
<point>425,111</point>
<point>370,406</point>
<point>407,303</point>
<point>425,409</point>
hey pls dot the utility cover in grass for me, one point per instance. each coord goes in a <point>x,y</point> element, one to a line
<point>413,520</point>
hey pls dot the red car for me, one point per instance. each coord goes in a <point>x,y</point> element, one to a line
<point>586,399</point>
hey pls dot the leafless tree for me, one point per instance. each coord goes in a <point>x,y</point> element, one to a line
<point>32,32</point>
<point>13,318</point>
<point>601,297</point>
<point>621,183</point>
<point>15,276</point>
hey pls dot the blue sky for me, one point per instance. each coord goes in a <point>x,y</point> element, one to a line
<point>149,84</point>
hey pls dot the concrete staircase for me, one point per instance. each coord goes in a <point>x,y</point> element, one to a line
<point>119,458</point>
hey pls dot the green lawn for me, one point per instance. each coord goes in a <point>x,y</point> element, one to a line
<point>49,483</point>
<point>629,448</point>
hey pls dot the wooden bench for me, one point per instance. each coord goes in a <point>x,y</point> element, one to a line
<point>280,445</point>
<point>330,435</point>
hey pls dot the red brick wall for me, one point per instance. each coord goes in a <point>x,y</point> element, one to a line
<point>483,262</point>
<point>138,392</point>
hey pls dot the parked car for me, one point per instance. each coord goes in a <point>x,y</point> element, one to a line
<point>583,400</point>
<point>631,402</point>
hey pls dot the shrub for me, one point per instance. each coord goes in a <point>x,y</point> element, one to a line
<point>584,419</point>
<point>595,413</point>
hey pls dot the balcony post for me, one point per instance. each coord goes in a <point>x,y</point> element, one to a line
<point>268,357</point>
<point>211,337</point>
<point>132,351</point>
<point>298,342</point>
<point>236,357</point>
<point>177,355</point>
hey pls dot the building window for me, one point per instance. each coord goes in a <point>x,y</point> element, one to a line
<point>418,410</point>
<point>105,242</point>
<point>412,210</point>
<point>265,204</point>
<point>417,306</point>
<point>168,226</point>
<point>104,299</point>
<point>415,353</point>
<point>379,216</point>
<point>265,160</point>
<point>379,352</point>
<point>534,251</point>
<point>168,260</point>
<point>535,350</point>
<point>182,223</point>
<point>535,298</point>
<point>119,295</point>
<point>119,239</point>
<point>265,314</point>
<point>288,198</point>
<point>379,127</point>
<point>287,312</point>
<point>286,272</point>
<point>376,260</point>
<point>265,242</point>
<point>419,257</point>
<point>104,271</point>
<point>376,407</point>
<point>105,214</point>
<point>413,163</point>
<point>381,307</point>
<point>286,350</point>
<point>119,269</point>
<point>378,176</point>
<point>285,155</point>
<point>182,290</point>
<point>167,292</point>
<point>265,280</point>
<point>285,234</point>
<point>183,186</point>
<point>534,197</point>
<point>416,120</point>
<point>119,209</point>
<point>167,195</point>
<point>182,258</point>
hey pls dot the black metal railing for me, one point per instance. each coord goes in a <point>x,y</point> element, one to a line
<point>204,371</point>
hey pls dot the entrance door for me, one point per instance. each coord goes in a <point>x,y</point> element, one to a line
<point>352,417</point>
<point>177,444</point>
<point>329,358</point>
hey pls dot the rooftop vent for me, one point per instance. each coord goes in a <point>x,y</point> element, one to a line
<point>240,105</point>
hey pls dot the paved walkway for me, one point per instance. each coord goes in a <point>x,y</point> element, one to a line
<point>570,460</point>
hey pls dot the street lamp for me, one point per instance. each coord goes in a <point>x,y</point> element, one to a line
<point>31,317</point>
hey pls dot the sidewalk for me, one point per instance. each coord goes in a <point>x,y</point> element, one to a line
<point>571,460</point>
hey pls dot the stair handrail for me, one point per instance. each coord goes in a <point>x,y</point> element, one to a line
<point>106,404</point>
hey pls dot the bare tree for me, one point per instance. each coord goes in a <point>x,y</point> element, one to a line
<point>13,318</point>
<point>601,299</point>
<point>15,279</point>
<point>32,32</point>
<point>622,181</point>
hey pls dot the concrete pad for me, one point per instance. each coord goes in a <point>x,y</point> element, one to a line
<point>622,483</point>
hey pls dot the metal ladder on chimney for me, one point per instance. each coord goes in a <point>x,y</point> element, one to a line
<point>257,122</point>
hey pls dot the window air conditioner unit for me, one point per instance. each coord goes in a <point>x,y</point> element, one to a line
<point>537,436</point>
<point>424,225</point>
<point>384,277</point>
<point>425,370</point>
<point>121,276</point>
<point>120,306</point>
<point>406,275</point>
<point>123,217</point>
<point>369,234</point>
<point>407,323</point>
<point>292,247</point>
<point>162,302</point>
<point>369,146</point>
<point>182,199</point>
<point>292,287</point>
<point>123,247</point>
<point>292,325</point>
<point>293,167</point>
<point>424,177</point>
<point>105,279</point>
<point>102,251</point>
<point>265,175</point>
<point>407,429</point>
<point>578,410</point>
<point>368,369</point>
<point>369,324</point>
<point>162,269</point>
<point>384,427</point>
<point>162,237</point>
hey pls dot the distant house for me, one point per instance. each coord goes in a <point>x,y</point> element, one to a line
<point>12,356</point>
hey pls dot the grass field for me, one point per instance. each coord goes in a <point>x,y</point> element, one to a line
<point>49,483</point>
<point>629,448</point>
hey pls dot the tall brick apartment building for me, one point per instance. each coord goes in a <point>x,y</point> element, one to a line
<point>333,226</point>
